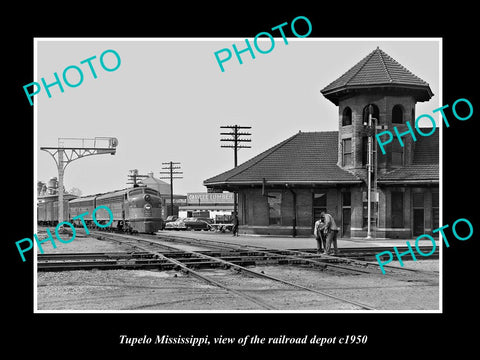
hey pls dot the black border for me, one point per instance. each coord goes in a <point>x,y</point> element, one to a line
<point>94,334</point>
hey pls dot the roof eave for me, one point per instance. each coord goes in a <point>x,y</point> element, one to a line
<point>408,181</point>
<point>282,182</point>
<point>422,92</point>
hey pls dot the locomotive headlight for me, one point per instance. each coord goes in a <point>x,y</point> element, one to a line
<point>148,207</point>
<point>146,197</point>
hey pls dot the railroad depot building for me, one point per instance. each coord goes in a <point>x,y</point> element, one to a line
<point>282,190</point>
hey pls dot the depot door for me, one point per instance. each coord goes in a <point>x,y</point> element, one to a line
<point>346,216</point>
<point>418,222</point>
<point>319,202</point>
<point>418,213</point>
<point>346,213</point>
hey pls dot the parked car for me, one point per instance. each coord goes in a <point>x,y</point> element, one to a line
<point>194,223</point>
<point>171,218</point>
<point>178,224</point>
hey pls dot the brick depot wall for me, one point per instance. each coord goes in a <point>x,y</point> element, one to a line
<point>254,213</point>
<point>357,130</point>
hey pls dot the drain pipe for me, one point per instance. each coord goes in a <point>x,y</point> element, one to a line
<point>294,218</point>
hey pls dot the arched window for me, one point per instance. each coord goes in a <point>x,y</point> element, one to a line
<point>347,116</point>
<point>373,109</point>
<point>375,113</point>
<point>397,114</point>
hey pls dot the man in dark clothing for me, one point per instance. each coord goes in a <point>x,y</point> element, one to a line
<point>235,226</point>
<point>330,229</point>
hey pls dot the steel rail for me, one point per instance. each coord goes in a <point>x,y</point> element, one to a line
<point>256,273</point>
<point>263,275</point>
<point>298,253</point>
<point>221,244</point>
<point>304,256</point>
<point>91,255</point>
<point>316,262</point>
<point>196,274</point>
<point>76,261</point>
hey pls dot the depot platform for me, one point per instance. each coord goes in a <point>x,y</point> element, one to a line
<point>289,242</point>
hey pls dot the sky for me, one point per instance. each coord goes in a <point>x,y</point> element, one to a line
<point>168,99</point>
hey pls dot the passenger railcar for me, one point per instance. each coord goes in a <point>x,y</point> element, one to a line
<point>47,209</point>
<point>134,210</point>
<point>81,205</point>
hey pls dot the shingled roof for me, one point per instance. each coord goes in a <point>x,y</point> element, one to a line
<point>425,164</point>
<point>311,158</point>
<point>377,70</point>
<point>304,158</point>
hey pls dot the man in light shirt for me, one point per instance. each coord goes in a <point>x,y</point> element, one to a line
<point>319,235</point>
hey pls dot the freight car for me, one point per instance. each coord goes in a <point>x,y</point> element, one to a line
<point>135,209</point>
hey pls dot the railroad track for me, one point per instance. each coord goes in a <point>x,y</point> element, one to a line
<point>350,261</point>
<point>193,259</point>
<point>192,256</point>
<point>355,259</point>
<point>152,252</point>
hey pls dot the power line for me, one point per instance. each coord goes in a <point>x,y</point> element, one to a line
<point>171,167</point>
<point>133,176</point>
<point>237,138</point>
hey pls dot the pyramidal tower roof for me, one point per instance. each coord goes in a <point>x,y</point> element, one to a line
<point>377,70</point>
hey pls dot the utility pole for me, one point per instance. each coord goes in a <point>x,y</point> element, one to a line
<point>70,149</point>
<point>237,139</point>
<point>171,167</point>
<point>133,176</point>
<point>371,168</point>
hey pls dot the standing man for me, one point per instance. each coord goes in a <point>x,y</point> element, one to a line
<point>330,230</point>
<point>235,225</point>
<point>319,236</point>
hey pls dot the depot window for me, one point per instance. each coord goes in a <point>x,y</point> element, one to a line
<point>397,209</point>
<point>373,209</point>
<point>397,114</point>
<point>347,152</point>
<point>375,113</point>
<point>435,209</point>
<point>347,116</point>
<point>274,208</point>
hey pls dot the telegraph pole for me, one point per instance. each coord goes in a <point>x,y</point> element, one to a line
<point>171,167</point>
<point>237,137</point>
<point>133,176</point>
<point>70,149</point>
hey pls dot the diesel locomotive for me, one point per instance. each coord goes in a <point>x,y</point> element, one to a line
<point>135,209</point>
